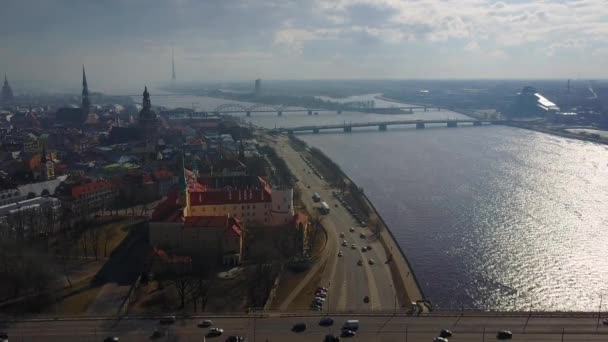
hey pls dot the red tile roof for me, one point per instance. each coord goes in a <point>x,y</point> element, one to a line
<point>88,188</point>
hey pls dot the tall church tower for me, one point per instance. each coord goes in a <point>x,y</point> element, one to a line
<point>86,103</point>
<point>7,92</point>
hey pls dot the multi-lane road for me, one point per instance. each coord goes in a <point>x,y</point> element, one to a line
<point>348,282</point>
<point>372,328</point>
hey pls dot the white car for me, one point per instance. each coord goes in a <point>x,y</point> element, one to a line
<point>216,331</point>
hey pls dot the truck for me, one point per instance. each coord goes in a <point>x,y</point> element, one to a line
<point>324,208</point>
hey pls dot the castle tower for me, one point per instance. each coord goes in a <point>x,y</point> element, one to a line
<point>282,205</point>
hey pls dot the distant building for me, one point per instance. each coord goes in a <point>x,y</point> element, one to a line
<point>531,103</point>
<point>87,198</point>
<point>28,218</point>
<point>258,87</point>
<point>7,92</point>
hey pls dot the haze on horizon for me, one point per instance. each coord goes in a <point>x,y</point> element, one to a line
<point>126,43</point>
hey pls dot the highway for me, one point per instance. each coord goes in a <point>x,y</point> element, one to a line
<point>348,283</point>
<point>372,328</point>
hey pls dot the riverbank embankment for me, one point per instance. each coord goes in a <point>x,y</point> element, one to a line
<point>405,281</point>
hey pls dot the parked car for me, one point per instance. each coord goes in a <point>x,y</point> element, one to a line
<point>326,321</point>
<point>504,335</point>
<point>298,327</point>
<point>440,339</point>
<point>111,339</point>
<point>235,339</point>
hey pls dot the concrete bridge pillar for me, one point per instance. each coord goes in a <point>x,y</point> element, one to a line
<point>476,123</point>
<point>420,125</point>
<point>382,127</point>
<point>279,113</point>
<point>248,113</point>
<point>452,123</point>
<point>348,129</point>
<point>315,130</point>
<point>309,112</point>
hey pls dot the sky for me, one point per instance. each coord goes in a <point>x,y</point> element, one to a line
<point>127,43</point>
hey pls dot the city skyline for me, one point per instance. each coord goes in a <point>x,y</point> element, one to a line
<point>125,44</point>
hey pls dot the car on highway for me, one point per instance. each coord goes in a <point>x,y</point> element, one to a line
<point>348,333</point>
<point>369,248</point>
<point>370,261</point>
<point>167,320</point>
<point>351,229</point>
<point>504,335</point>
<point>331,338</point>
<point>321,288</point>
<point>363,249</point>
<point>321,294</point>
<point>319,299</point>
<point>326,321</point>
<point>205,323</point>
<point>215,332</point>
<point>353,246</point>
<point>340,253</point>
<point>445,333</point>
<point>298,327</point>
<point>366,299</point>
<point>342,234</point>
<point>344,243</point>
<point>440,339</point>
<point>235,339</point>
<point>360,262</point>
<point>362,235</point>
<point>111,339</point>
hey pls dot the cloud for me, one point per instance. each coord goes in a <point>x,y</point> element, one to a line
<point>295,37</point>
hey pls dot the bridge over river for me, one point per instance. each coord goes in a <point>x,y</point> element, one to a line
<point>382,125</point>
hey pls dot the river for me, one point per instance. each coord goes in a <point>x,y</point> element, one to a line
<point>490,217</point>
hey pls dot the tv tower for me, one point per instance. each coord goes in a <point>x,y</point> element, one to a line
<point>172,65</point>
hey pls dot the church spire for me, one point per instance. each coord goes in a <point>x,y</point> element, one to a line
<point>7,92</point>
<point>85,92</point>
<point>147,104</point>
